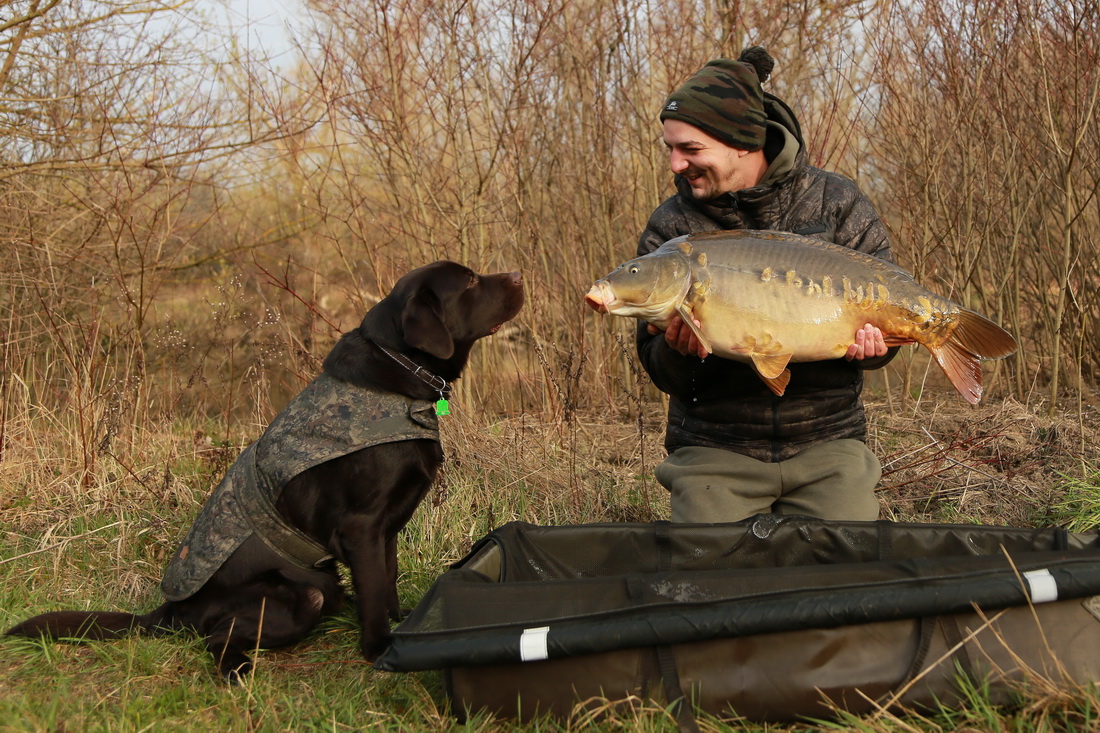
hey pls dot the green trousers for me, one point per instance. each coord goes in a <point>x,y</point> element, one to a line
<point>833,480</point>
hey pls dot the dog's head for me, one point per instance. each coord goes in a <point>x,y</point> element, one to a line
<point>445,306</point>
<point>433,315</point>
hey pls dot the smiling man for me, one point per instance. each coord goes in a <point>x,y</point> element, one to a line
<point>735,449</point>
<point>709,166</point>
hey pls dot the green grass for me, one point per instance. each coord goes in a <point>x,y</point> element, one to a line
<point>103,546</point>
<point>1079,509</point>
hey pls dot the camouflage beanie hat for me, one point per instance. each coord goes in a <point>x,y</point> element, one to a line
<point>724,99</point>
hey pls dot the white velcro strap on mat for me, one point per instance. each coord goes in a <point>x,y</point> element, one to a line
<point>1041,586</point>
<point>532,644</point>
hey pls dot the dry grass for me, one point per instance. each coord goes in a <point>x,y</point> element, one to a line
<point>1003,462</point>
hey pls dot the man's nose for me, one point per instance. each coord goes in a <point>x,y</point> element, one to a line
<point>677,161</point>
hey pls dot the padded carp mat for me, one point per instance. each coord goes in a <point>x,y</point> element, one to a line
<point>770,619</point>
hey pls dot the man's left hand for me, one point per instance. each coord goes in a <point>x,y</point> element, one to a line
<point>868,344</point>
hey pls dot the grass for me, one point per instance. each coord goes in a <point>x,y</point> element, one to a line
<point>104,544</point>
<point>1079,507</point>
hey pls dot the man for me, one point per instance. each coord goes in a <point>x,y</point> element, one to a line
<point>735,449</point>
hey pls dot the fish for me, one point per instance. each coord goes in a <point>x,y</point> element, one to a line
<point>772,298</point>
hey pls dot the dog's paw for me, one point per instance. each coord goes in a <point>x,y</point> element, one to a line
<point>234,667</point>
<point>237,675</point>
<point>372,649</point>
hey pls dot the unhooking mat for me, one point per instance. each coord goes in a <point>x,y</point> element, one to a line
<point>770,619</point>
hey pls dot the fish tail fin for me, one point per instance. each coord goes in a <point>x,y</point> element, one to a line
<point>963,369</point>
<point>974,338</point>
<point>982,337</point>
<point>96,625</point>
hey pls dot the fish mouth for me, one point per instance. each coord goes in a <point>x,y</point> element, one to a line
<point>598,298</point>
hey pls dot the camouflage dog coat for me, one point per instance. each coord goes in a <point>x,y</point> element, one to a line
<point>328,419</point>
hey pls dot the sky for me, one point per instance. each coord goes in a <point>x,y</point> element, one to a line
<point>260,24</point>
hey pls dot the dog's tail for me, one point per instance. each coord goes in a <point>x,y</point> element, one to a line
<point>96,625</point>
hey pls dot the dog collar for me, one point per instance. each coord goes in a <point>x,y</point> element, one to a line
<point>436,382</point>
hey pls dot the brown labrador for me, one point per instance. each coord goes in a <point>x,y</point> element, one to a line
<point>335,477</point>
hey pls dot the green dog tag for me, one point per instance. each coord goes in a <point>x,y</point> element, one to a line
<point>442,407</point>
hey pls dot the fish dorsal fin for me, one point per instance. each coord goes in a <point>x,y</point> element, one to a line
<point>771,366</point>
<point>689,319</point>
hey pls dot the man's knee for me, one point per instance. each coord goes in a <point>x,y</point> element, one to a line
<point>834,481</point>
<point>709,485</point>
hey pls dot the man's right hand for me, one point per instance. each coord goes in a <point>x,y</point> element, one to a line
<point>681,338</point>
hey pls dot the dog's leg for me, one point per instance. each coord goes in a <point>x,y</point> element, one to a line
<point>393,605</point>
<point>284,614</point>
<point>229,645</point>
<point>364,550</point>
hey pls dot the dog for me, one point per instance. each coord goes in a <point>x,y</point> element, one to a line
<point>334,478</point>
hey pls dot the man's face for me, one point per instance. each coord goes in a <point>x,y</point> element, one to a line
<point>710,167</point>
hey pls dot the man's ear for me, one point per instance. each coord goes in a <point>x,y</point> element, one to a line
<point>422,323</point>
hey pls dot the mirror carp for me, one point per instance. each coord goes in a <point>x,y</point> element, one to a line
<point>771,298</point>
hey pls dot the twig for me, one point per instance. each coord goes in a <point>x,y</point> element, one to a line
<point>284,284</point>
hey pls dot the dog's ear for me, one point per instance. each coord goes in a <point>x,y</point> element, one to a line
<point>423,326</point>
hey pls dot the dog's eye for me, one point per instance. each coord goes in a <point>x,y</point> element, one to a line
<point>473,281</point>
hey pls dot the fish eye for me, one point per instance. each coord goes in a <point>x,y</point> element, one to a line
<point>634,270</point>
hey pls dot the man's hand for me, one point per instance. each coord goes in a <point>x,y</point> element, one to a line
<point>868,344</point>
<point>681,338</point>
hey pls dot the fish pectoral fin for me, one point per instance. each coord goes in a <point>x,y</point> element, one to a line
<point>771,366</point>
<point>689,318</point>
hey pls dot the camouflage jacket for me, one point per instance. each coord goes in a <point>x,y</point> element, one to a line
<point>328,419</point>
<point>719,402</point>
